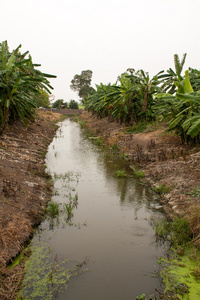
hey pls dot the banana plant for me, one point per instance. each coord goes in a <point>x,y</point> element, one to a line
<point>20,85</point>
<point>194,79</point>
<point>124,100</point>
<point>167,81</point>
<point>183,109</point>
<point>146,87</point>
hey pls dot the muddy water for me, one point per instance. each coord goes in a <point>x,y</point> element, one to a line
<point>109,234</point>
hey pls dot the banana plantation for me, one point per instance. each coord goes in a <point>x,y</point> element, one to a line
<point>136,98</point>
<point>22,86</point>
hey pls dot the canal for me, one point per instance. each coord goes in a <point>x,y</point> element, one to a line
<point>102,245</point>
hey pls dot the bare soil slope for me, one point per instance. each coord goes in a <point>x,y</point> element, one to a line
<point>24,191</point>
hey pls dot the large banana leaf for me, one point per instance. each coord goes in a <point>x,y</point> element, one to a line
<point>20,83</point>
<point>194,129</point>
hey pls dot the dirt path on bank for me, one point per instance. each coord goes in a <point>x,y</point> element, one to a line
<point>171,168</point>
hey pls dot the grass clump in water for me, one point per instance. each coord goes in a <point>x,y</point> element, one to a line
<point>121,173</point>
<point>53,209</point>
<point>69,209</point>
<point>137,173</point>
<point>162,229</point>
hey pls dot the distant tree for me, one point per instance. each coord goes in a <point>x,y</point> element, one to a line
<point>59,104</point>
<point>73,104</point>
<point>82,84</point>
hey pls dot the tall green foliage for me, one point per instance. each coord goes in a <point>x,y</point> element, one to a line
<point>168,80</point>
<point>137,98</point>
<point>20,85</point>
<point>182,110</point>
<point>129,101</point>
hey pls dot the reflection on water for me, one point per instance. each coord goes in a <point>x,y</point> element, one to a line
<point>109,227</point>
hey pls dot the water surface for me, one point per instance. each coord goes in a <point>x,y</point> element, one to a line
<point>111,231</point>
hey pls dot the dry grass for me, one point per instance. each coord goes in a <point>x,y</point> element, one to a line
<point>10,282</point>
<point>13,232</point>
<point>194,217</point>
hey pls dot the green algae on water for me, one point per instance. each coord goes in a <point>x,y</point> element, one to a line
<point>45,275</point>
<point>181,275</point>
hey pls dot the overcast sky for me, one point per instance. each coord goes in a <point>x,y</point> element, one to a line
<point>106,36</point>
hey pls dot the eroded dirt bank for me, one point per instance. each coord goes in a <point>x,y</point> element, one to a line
<point>24,190</point>
<point>170,167</point>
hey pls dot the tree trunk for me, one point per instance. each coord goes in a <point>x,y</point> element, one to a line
<point>144,108</point>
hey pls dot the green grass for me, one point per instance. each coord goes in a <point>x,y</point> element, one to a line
<point>76,118</point>
<point>179,231</point>
<point>195,192</point>
<point>82,123</point>
<point>162,189</point>
<point>121,173</point>
<point>137,173</point>
<point>162,229</point>
<point>140,127</point>
<point>69,210</point>
<point>43,153</point>
<point>53,209</point>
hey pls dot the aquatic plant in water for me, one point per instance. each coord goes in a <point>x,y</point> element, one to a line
<point>45,275</point>
<point>121,173</point>
<point>53,209</point>
<point>179,275</point>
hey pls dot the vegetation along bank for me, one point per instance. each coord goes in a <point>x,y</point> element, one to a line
<point>153,123</point>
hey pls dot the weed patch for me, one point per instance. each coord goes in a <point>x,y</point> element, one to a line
<point>178,230</point>
<point>162,189</point>
<point>53,209</point>
<point>137,173</point>
<point>82,123</point>
<point>121,173</point>
<point>195,192</point>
